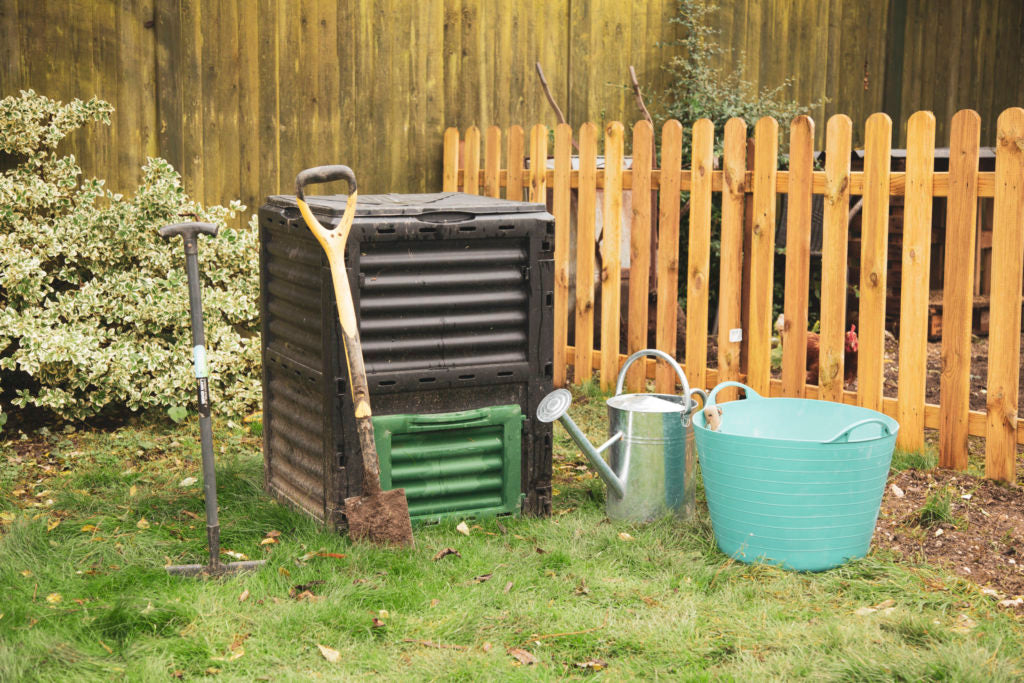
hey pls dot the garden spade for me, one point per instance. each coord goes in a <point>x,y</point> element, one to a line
<point>381,517</point>
<point>189,233</point>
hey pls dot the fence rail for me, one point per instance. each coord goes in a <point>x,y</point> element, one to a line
<point>750,184</point>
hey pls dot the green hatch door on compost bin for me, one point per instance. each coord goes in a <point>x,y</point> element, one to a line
<point>453,464</point>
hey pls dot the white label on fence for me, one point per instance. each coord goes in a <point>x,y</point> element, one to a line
<point>736,334</point>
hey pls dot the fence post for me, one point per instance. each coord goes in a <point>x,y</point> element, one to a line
<point>1004,322</point>
<point>561,203</point>
<point>471,153</point>
<point>514,182</point>
<point>874,236</point>
<point>730,284</point>
<point>914,291</point>
<point>450,173</point>
<point>640,250</point>
<point>583,363</point>
<point>699,250</point>
<point>668,252</point>
<point>762,255</point>
<point>611,275</point>
<point>958,294</point>
<point>492,162</point>
<point>798,257</point>
<point>835,237</point>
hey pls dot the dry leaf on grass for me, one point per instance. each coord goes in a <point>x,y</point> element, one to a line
<point>463,529</point>
<point>329,653</point>
<point>482,578</point>
<point>446,552</point>
<point>132,490</point>
<point>90,528</point>
<point>53,525</point>
<point>486,647</point>
<point>592,664</point>
<point>964,624</point>
<point>508,587</point>
<point>623,536</point>
<point>377,623</point>
<point>26,573</point>
<point>435,602</point>
<point>274,533</point>
<point>142,523</point>
<point>522,656</point>
<point>54,598</point>
<point>234,554</point>
<point>244,596</point>
<point>336,556</point>
<point>187,481</point>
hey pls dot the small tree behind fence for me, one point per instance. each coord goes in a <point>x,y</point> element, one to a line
<point>749,180</point>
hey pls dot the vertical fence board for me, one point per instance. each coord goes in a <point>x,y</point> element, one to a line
<point>748,232</point>
<point>611,275</point>
<point>471,156</point>
<point>514,184</point>
<point>538,163</point>
<point>699,250</point>
<point>450,175</point>
<point>917,236</point>
<point>668,252</point>
<point>730,292</point>
<point>835,238</point>
<point>1004,325</point>
<point>640,249</point>
<point>492,162</point>
<point>561,204</point>
<point>957,297</point>
<point>798,257</point>
<point>762,255</point>
<point>873,265</point>
<point>585,225</point>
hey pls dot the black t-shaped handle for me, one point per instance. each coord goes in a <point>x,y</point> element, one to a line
<point>188,232</point>
<point>324,174</point>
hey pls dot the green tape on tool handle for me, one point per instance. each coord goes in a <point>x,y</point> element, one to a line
<point>199,360</point>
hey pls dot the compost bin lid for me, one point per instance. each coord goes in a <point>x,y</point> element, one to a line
<point>410,204</point>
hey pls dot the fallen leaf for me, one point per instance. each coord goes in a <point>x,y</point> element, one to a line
<point>234,554</point>
<point>54,598</point>
<point>482,578</point>
<point>864,611</point>
<point>435,602</point>
<point>991,592</point>
<point>377,623</point>
<point>623,536</point>
<point>90,528</point>
<point>190,514</point>
<point>592,664</point>
<point>967,496</point>
<point>885,604</point>
<point>650,602</point>
<point>273,533</point>
<point>939,532</point>
<point>486,647</point>
<point>283,572</point>
<point>132,490</point>
<point>522,656</point>
<point>187,481</point>
<point>336,556</point>
<point>446,552</point>
<point>581,588</point>
<point>268,541</point>
<point>26,573</point>
<point>106,647</point>
<point>540,551</point>
<point>296,590</point>
<point>329,653</point>
<point>896,491</point>
<point>53,525</point>
<point>142,523</point>
<point>1016,602</point>
<point>508,587</point>
<point>383,614</point>
<point>964,624</point>
<point>462,529</point>
<point>212,670</point>
<point>244,596</point>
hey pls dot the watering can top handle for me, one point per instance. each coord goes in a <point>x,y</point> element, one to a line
<point>659,354</point>
<point>844,434</point>
<point>739,385</point>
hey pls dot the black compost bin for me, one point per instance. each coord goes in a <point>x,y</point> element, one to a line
<point>455,305</point>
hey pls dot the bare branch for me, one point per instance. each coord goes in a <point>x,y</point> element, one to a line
<point>639,96</point>
<point>551,100</point>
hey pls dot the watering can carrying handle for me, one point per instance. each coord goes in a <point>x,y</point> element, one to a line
<point>658,353</point>
<point>751,394</point>
<point>844,435</point>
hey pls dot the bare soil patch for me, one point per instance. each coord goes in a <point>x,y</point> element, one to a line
<point>985,541</point>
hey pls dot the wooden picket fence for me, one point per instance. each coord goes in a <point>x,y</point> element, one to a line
<point>749,182</point>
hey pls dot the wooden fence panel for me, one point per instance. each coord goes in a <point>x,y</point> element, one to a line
<point>561,204</point>
<point>914,290</point>
<point>471,155</point>
<point>611,275</point>
<point>835,245</point>
<point>538,163</point>
<point>873,264</point>
<point>492,162</point>
<point>730,287</point>
<point>762,255</point>
<point>668,257</point>
<point>958,295</point>
<point>514,187</point>
<point>585,227</point>
<point>698,267</point>
<point>450,174</point>
<point>1004,325</point>
<point>640,249</point>
<point>798,257</point>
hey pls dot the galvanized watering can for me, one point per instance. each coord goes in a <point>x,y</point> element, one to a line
<point>651,467</point>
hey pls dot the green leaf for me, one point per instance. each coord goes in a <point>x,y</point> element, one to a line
<point>177,413</point>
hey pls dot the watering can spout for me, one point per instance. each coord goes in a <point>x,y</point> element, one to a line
<point>553,407</point>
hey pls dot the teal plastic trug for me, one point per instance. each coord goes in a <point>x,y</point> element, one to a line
<point>463,464</point>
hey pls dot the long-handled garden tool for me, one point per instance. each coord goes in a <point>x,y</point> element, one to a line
<point>189,233</point>
<point>379,516</point>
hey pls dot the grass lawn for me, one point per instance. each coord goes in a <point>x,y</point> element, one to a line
<point>88,598</point>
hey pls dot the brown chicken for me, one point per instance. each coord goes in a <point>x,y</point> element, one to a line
<point>813,344</point>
